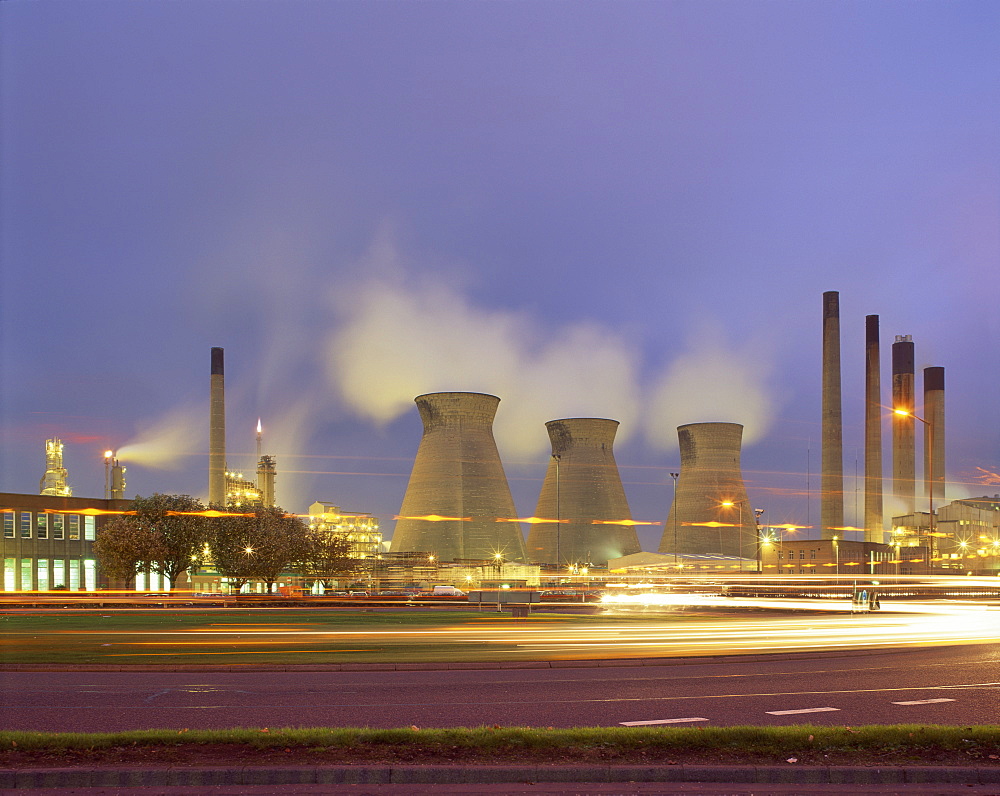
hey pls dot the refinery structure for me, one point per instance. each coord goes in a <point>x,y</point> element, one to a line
<point>458,522</point>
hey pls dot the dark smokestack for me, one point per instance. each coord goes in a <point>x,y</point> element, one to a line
<point>583,489</point>
<point>217,432</point>
<point>934,464</point>
<point>874,524</point>
<point>458,490</point>
<point>709,477</point>
<point>831,514</point>
<point>903,442</point>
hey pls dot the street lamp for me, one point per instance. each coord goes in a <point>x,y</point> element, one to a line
<point>929,458</point>
<point>836,552</point>
<point>557,459</point>
<point>757,512</point>
<point>673,477</point>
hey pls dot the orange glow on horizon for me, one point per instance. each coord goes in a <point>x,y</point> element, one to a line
<point>207,513</point>
<point>529,520</point>
<point>434,518</point>
<point>88,512</point>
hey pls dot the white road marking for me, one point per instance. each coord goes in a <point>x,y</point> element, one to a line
<point>804,710</point>
<point>659,721</point>
<point>923,701</point>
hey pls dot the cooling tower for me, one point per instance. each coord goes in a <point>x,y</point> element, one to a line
<point>903,444</point>
<point>934,463</point>
<point>217,432</point>
<point>458,490</point>
<point>710,476</point>
<point>831,512</point>
<point>583,490</point>
<point>873,433</point>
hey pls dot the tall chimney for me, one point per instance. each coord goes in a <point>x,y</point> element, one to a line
<point>217,432</point>
<point>583,492</point>
<point>903,443</point>
<point>934,464</point>
<point>874,523</point>
<point>710,476</point>
<point>458,503</point>
<point>831,512</point>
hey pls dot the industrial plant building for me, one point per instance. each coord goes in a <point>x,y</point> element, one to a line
<point>711,513</point>
<point>582,517</point>
<point>48,541</point>
<point>458,504</point>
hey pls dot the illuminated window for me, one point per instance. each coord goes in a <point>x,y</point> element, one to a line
<point>89,574</point>
<point>74,526</point>
<point>9,574</point>
<point>89,529</point>
<point>43,574</point>
<point>57,526</point>
<point>58,573</point>
<point>26,574</point>
<point>25,524</point>
<point>42,528</point>
<point>8,525</point>
<point>74,575</point>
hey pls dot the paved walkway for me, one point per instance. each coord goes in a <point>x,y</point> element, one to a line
<point>507,779</point>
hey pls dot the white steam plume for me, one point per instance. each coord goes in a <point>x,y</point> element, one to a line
<point>163,443</point>
<point>398,341</point>
<point>712,382</point>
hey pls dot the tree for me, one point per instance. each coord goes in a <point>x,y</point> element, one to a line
<point>165,535</point>
<point>123,549</point>
<point>259,545</point>
<point>326,555</point>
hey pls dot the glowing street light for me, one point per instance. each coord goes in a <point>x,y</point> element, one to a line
<point>929,458</point>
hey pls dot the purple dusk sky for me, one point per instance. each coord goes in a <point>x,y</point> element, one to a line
<point>612,209</point>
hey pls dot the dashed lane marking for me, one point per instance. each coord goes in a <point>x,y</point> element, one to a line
<point>793,712</point>
<point>660,721</point>
<point>923,701</point>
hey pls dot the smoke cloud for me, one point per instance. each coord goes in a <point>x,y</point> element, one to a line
<point>713,381</point>
<point>399,340</point>
<point>162,444</point>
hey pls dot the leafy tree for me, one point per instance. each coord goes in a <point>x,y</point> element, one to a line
<point>326,556</point>
<point>163,535</point>
<point>259,545</point>
<point>123,549</point>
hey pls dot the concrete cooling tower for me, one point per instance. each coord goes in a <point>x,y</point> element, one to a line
<point>710,476</point>
<point>458,489</point>
<point>583,490</point>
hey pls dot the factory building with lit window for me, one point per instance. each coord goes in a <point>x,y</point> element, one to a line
<point>48,541</point>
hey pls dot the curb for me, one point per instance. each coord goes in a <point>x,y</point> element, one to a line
<point>441,775</point>
<point>593,663</point>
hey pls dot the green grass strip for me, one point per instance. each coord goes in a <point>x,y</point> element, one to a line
<point>906,740</point>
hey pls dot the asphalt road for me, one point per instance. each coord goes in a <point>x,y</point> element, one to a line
<point>942,685</point>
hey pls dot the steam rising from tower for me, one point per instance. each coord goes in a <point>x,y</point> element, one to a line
<point>458,490</point>
<point>584,492</point>
<point>832,479</point>
<point>710,476</point>
<point>217,432</point>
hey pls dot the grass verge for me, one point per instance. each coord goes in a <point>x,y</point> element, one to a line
<point>803,745</point>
